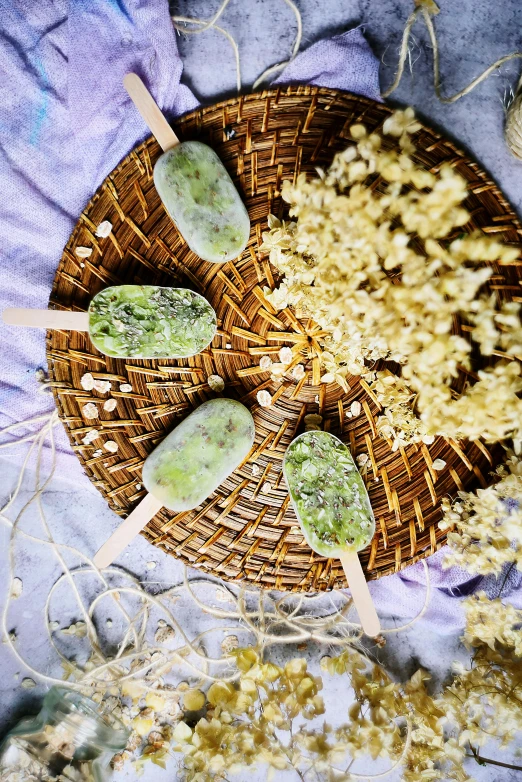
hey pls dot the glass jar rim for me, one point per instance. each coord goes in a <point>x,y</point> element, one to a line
<point>110,730</point>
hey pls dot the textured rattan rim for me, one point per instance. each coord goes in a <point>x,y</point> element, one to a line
<point>247,531</point>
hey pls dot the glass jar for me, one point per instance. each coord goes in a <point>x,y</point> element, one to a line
<point>70,739</point>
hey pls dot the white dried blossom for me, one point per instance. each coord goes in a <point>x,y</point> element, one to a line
<point>285,355</point>
<point>109,405</point>
<point>264,398</point>
<point>265,362</point>
<point>83,252</point>
<point>384,280</point>
<point>90,410</point>
<point>87,381</point>
<point>485,529</point>
<point>102,386</point>
<point>216,383</point>
<point>111,446</point>
<point>125,388</point>
<point>104,229</point>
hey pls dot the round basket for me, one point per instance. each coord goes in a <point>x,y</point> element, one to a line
<point>247,529</point>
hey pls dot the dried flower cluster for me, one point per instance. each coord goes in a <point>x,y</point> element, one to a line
<point>485,528</point>
<point>373,259</point>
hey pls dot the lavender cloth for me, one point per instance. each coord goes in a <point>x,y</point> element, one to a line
<point>66,123</point>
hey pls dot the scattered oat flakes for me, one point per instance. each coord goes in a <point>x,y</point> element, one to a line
<point>151,565</point>
<point>28,683</point>
<point>264,398</point>
<point>216,383</point>
<point>362,459</point>
<point>285,355</point>
<point>265,362</point>
<point>255,470</point>
<point>355,408</point>
<point>266,488</point>
<point>16,587</point>
<point>102,386</point>
<point>316,399</point>
<point>77,629</point>
<point>104,229</point>
<point>97,453</point>
<point>298,371</point>
<point>109,405</point>
<point>90,410</point>
<point>229,644</point>
<point>111,446</point>
<point>87,381</point>
<point>164,632</point>
<point>83,252</point>
<point>125,388</point>
<point>91,435</point>
<point>428,439</point>
<point>439,464</point>
<point>138,486</point>
<point>228,346</point>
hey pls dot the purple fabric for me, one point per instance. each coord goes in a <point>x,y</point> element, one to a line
<point>66,122</point>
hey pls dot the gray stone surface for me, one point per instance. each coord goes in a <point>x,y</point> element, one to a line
<point>472,34</point>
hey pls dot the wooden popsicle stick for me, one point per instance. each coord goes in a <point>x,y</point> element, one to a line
<point>46,319</point>
<point>127,531</point>
<point>360,593</point>
<point>150,111</point>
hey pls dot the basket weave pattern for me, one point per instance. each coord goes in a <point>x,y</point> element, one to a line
<point>247,530</point>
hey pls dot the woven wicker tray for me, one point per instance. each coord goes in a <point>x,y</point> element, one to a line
<point>247,529</point>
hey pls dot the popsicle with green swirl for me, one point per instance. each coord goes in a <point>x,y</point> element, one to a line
<point>190,464</point>
<point>134,321</point>
<point>194,186</point>
<point>333,508</point>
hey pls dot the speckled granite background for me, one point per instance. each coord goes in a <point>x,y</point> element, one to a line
<point>472,34</point>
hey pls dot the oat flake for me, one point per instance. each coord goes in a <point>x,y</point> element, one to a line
<point>125,388</point>
<point>355,408</point>
<point>264,398</point>
<point>104,229</point>
<point>110,405</point>
<point>265,362</point>
<point>285,355</point>
<point>111,446</point>
<point>83,252</point>
<point>216,383</point>
<point>90,410</point>
<point>16,587</point>
<point>87,381</point>
<point>439,464</point>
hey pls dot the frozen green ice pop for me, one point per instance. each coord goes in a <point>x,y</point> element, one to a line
<point>146,321</point>
<point>199,454</point>
<point>134,321</point>
<point>333,508</point>
<point>190,463</point>
<point>194,186</point>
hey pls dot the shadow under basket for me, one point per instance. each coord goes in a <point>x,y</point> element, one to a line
<point>247,531</point>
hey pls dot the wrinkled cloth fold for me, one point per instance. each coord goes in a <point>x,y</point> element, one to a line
<point>66,123</point>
